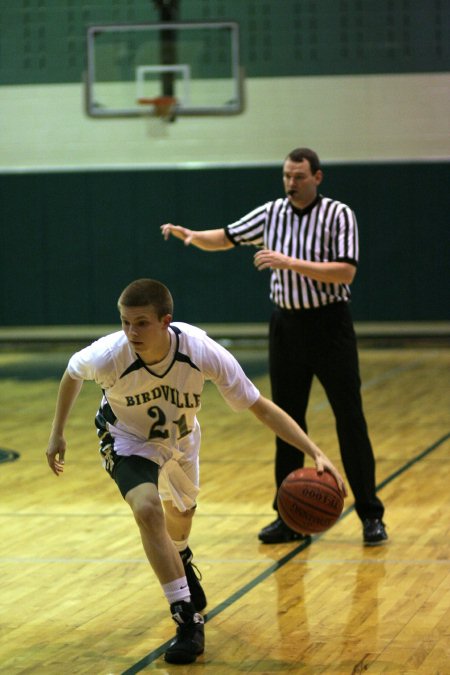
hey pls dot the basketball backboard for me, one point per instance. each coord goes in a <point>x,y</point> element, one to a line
<point>197,63</point>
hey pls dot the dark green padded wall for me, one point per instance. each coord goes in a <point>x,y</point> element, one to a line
<point>43,41</point>
<point>70,242</point>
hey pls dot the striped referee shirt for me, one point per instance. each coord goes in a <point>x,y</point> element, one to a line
<point>325,231</point>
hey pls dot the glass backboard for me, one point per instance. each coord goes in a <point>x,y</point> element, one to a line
<point>197,63</point>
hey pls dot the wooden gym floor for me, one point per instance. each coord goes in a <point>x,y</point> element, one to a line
<point>78,597</point>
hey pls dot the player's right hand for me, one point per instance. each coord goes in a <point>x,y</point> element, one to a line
<point>55,453</point>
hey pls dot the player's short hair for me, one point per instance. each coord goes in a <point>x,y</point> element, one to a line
<point>144,292</point>
<point>300,154</point>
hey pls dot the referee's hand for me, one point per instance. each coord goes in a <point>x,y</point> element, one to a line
<point>266,259</point>
<point>177,231</point>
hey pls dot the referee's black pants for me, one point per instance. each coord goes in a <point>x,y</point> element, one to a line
<point>322,342</point>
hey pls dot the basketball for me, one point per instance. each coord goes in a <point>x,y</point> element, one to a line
<point>309,502</point>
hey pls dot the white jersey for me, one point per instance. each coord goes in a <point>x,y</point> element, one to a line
<point>152,410</point>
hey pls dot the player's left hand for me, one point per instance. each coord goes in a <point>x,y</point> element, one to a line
<point>324,464</point>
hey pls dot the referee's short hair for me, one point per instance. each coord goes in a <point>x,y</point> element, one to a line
<point>299,154</point>
<point>144,292</point>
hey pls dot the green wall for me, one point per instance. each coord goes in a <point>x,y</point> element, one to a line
<point>71,241</point>
<point>43,41</point>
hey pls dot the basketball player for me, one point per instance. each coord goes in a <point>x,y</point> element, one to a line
<point>152,374</point>
<point>310,244</point>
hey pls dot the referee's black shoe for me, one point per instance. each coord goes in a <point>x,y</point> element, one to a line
<point>193,577</point>
<point>279,533</point>
<point>374,532</point>
<point>189,641</point>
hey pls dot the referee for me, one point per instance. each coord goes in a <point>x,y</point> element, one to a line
<point>310,244</point>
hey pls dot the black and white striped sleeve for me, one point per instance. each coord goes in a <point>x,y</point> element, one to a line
<point>249,230</point>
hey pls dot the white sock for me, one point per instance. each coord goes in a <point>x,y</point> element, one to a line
<point>177,590</point>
